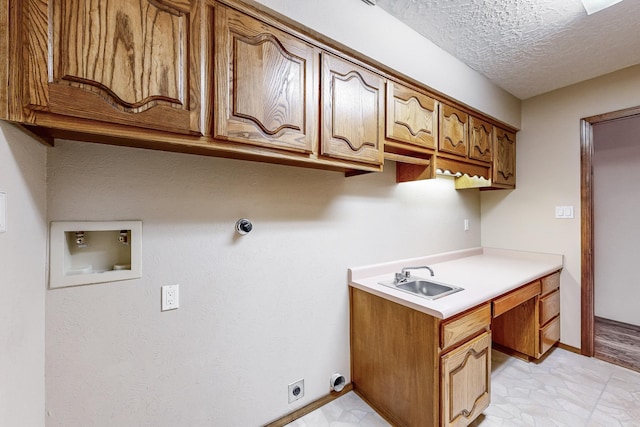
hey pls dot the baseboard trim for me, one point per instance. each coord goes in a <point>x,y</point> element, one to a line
<point>301,412</point>
<point>570,348</point>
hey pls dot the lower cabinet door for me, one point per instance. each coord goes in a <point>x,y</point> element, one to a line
<point>466,381</point>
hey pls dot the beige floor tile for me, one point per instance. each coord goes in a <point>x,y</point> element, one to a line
<point>564,390</point>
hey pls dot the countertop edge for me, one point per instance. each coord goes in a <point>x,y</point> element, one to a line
<point>402,300</point>
<point>366,278</point>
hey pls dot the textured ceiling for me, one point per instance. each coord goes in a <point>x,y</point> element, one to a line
<point>528,47</point>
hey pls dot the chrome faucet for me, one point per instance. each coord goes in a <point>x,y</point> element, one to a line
<point>404,275</point>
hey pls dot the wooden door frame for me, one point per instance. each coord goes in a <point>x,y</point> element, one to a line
<point>587,229</point>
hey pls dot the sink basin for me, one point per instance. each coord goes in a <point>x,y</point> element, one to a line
<point>424,288</point>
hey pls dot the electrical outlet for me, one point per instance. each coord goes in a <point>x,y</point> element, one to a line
<point>296,390</point>
<point>170,297</point>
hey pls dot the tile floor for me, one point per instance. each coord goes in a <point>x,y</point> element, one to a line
<point>566,389</point>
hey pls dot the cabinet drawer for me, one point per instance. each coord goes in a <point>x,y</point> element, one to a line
<point>549,306</point>
<point>549,335</point>
<point>456,330</point>
<point>550,283</point>
<point>515,298</point>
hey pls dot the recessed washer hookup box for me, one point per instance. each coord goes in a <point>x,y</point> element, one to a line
<point>88,252</point>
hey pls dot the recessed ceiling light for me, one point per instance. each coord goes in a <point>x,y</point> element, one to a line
<point>593,6</point>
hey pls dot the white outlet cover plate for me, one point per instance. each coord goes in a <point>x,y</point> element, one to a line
<point>170,297</point>
<point>292,386</point>
<point>3,211</point>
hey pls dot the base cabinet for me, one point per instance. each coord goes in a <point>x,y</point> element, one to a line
<point>417,370</point>
<point>549,313</point>
<point>527,320</point>
<point>466,381</point>
<point>420,371</point>
<point>395,360</point>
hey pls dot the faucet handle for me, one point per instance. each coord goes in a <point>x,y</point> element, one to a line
<point>401,277</point>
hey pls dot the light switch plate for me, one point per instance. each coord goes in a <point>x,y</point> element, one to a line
<point>3,211</point>
<point>564,212</point>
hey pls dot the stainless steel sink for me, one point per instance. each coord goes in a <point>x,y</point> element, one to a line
<point>424,288</point>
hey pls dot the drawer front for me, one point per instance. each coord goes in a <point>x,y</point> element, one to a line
<point>549,306</point>
<point>456,330</point>
<point>550,283</point>
<point>515,298</point>
<point>549,335</point>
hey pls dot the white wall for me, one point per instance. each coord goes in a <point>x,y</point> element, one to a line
<point>373,32</point>
<point>548,175</point>
<point>260,311</point>
<point>22,272</point>
<point>616,173</point>
<point>257,312</point>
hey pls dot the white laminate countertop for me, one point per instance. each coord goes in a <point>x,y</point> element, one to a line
<point>484,273</point>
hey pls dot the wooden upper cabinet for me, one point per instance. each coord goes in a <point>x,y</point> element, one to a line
<point>504,164</point>
<point>352,111</point>
<point>411,116</point>
<point>480,140</point>
<point>228,78</point>
<point>264,84</point>
<point>454,131</point>
<point>125,62</point>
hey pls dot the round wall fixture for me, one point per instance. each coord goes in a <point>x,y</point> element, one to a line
<point>243,226</point>
<point>337,382</point>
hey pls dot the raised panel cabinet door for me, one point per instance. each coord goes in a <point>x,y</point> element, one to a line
<point>480,140</point>
<point>352,105</point>
<point>411,116</point>
<point>126,62</point>
<point>264,84</point>
<point>466,381</point>
<point>504,163</point>
<point>454,131</point>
